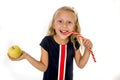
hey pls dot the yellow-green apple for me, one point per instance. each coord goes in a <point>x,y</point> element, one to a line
<point>14,51</point>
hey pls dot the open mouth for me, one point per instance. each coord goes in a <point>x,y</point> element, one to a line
<point>65,32</point>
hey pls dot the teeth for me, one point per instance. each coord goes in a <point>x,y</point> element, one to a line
<point>64,31</point>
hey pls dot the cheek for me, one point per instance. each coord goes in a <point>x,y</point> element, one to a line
<point>72,28</point>
<point>54,26</point>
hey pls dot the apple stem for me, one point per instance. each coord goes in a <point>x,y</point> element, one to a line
<point>13,47</point>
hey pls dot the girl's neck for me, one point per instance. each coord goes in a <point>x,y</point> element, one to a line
<point>60,41</point>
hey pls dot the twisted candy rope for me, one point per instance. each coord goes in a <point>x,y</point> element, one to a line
<point>90,50</point>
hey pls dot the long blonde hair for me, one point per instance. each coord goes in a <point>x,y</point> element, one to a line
<point>51,30</point>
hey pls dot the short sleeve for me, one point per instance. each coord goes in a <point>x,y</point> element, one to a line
<point>45,43</point>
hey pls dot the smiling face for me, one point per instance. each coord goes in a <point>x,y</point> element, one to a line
<point>64,22</point>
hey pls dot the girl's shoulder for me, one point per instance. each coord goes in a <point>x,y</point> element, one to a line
<point>47,38</point>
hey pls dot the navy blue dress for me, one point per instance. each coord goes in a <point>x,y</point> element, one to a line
<point>49,44</point>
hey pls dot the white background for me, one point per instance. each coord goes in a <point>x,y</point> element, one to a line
<point>25,23</point>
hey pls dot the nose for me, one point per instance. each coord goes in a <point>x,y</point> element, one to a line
<point>64,25</point>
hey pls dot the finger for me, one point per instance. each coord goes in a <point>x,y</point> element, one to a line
<point>13,59</point>
<point>84,41</point>
<point>87,43</point>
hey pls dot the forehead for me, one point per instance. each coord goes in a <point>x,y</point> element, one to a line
<point>67,14</point>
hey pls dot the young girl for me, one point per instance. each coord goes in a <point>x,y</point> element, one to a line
<point>59,48</point>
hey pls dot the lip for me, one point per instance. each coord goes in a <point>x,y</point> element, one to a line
<point>64,32</point>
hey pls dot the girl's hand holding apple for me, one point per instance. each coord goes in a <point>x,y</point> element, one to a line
<point>15,53</point>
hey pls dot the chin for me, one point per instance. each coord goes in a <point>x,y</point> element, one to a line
<point>64,37</point>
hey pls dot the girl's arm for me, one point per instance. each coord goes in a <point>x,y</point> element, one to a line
<point>40,65</point>
<point>81,60</point>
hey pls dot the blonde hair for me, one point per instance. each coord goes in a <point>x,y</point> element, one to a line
<point>77,29</point>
